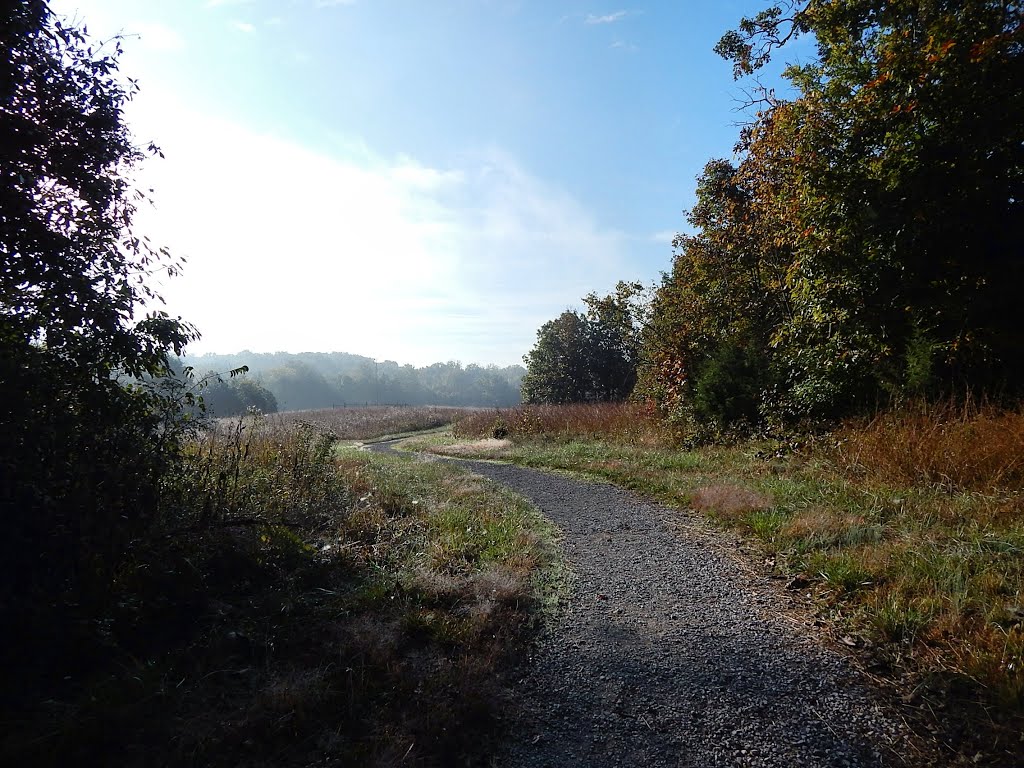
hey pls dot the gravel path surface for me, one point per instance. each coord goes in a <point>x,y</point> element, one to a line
<point>668,653</point>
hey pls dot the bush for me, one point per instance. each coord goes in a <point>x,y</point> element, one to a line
<point>728,387</point>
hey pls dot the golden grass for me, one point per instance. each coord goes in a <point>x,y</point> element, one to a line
<point>372,421</point>
<point>488,447</point>
<point>623,422</point>
<point>966,447</point>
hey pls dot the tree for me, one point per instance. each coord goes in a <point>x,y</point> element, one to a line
<point>864,245</point>
<point>254,395</point>
<point>297,386</point>
<point>615,327</point>
<point>718,305</point>
<point>82,445</point>
<point>234,396</point>
<point>588,357</point>
<point>906,146</point>
<point>558,366</point>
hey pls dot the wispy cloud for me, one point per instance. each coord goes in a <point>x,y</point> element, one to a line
<point>608,18</point>
<point>243,26</point>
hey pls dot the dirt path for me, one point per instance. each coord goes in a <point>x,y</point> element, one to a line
<point>668,653</point>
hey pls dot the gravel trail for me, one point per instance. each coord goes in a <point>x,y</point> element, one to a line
<point>668,653</point>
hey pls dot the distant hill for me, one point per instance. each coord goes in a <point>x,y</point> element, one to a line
<point>325,379</point>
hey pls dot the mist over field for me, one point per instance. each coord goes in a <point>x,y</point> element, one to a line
<point>336,379</point>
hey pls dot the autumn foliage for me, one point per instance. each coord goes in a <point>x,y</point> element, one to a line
<point>864,245</point>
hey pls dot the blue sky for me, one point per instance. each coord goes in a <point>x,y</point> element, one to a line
<point>416,180</point>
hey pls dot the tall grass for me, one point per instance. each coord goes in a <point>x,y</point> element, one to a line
<point>957,446</point>
<point>258,470</point>
<point>375,420</point>
<point>622,422</point>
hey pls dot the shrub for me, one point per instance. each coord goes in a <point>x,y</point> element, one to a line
<point>727,391</point>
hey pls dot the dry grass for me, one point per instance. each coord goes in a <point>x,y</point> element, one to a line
<point>486,448</point>
<point>259,469</point>
<point>622,422</point>
<point>965,447</point>
<point>822,527</point>
<point>729,501</point>
<point>373,421</point>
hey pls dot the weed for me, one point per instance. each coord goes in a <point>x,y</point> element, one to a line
<point>843,571</point>
<point>898,619</point>
<point>766,524</point>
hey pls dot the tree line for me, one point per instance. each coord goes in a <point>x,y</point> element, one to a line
<point>285,381</point>
<point>863,244</point>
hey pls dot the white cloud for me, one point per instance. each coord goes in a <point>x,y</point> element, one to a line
<point>332,3</point>
<point>623,45</point>
<point>243,26</point>
<point>218,3</point>
<point>608,18</point>
<point>294,249</point>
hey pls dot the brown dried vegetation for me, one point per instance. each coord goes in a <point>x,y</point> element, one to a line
<point>727,501</point>
<point>623,422</point>
<point>958,447</point>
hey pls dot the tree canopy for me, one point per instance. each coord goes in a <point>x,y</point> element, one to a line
<point>587,357</point>
<point>82,444</point>
<point>865,244</point>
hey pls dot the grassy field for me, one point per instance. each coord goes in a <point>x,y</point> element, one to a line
<point>368,422</point>
<point>906,531</point>
<point>314,603</point>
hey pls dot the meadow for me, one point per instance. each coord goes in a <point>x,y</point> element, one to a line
<point>903,532</point>
<point>369,422</point>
